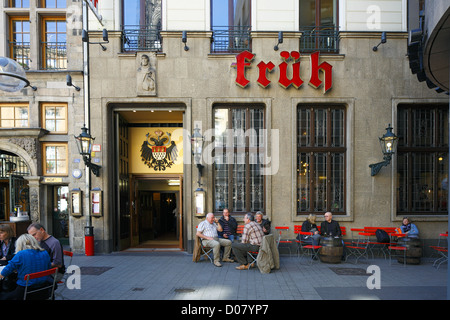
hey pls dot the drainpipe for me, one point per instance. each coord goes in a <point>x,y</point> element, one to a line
<point>89,232</point>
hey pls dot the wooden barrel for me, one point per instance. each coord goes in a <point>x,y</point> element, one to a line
<point>413,250</point>
<point>332,250</point>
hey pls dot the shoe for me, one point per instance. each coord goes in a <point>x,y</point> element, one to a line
<point>242,267</point>
<point>227,260</point>
<point>217,264</point>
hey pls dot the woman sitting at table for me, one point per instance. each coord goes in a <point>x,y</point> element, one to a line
<point>7,244</point>
<point>29,258</point>
<point>409,228</point>
<point>310,226</point>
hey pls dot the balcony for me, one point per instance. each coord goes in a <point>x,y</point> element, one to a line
<point>54,55</point>
<point>21,53</point>
<point>324,39</point>
<point>141,38</point>
<point>231,39</point>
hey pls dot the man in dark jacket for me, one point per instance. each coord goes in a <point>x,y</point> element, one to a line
<point>330,227</point>
<point>229,226</point>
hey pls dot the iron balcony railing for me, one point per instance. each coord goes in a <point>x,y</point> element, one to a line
<point>141,38</point>
<point>319,38</point>
<point>54,55</point>
<point>21,53</point>
<point>230,39</point>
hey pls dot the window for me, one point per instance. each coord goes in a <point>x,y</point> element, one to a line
<point>141,25</point>
<point>321,154</point>
<point>54,46</point>
<point>19,3</point>
<point>422,160</point>
<point>55,159</point>
<point>54,117</point>
<point>13,115</point>
<point>53,3</point>
<point>239,147</point>
<point>19,44</point>
<point>231,26</point>
<point>319,24</point>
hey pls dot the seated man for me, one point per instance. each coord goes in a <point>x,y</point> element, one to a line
<point>51,245</point>
<point>330,227</point>
<point>251,241</point>
<point>229,226</point>
<point>207,231</point>
<point>264,223</point>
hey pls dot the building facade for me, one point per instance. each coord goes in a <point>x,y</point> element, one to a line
<point>290,98</point>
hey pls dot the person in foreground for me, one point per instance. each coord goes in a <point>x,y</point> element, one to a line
<point>208,232</point>
<point>252,236</point>
<point>51,245</point>
<point>29,258</point>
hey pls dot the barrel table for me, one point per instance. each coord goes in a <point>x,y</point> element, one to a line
<point>332,250</point>
<point>413,250</point>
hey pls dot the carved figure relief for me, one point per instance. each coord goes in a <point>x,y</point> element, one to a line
<point>146,76</point>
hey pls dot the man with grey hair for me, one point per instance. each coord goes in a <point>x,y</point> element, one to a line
<point>207,231</point>
<point>252,236</point>
<point>264,223</point>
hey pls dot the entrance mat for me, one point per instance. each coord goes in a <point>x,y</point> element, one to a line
<point>349,271</point>
<point>94,271</point>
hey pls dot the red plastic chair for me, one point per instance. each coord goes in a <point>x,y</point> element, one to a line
<point>62,282</point>
<point>309,250</point>
<point>443,252</point>
<point>360,248</point>
<point>281,240</point>
<point>29,290</point>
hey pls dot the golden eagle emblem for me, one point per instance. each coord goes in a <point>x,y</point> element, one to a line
<point>159,151</point>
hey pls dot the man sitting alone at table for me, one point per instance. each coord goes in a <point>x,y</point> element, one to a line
<point>207,232</point>
<point>252,236</point>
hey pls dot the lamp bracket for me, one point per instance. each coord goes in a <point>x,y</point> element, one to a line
<point>376,167</point>
<point>94,168</point>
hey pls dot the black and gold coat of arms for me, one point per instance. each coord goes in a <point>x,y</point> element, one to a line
<point>158,151</point>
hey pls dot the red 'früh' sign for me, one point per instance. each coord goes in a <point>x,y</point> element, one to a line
<point>244,60</point>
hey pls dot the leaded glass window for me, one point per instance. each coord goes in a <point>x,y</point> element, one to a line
<point>238,151</point>
<point>320,159</point>
<point>422,161</point>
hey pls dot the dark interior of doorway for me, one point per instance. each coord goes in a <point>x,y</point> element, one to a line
<point>158,219</point>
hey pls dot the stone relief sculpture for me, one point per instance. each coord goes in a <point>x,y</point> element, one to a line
<point>146,77</point>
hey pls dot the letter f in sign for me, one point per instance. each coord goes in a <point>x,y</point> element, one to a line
<point>241,64</point>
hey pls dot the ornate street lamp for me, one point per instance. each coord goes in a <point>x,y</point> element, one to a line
<point>84,144</point>
<point>388,143</point>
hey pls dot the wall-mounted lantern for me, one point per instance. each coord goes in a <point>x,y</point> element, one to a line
<point>388,144</point>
